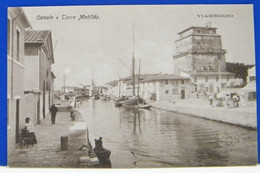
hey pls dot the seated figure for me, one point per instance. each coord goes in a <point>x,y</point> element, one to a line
<point>98,144</point>
<point>28,134</point>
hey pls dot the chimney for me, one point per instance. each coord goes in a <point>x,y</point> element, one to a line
<point>208,24</point>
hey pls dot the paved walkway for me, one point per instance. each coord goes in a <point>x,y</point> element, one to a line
<point>47,153</point>
<point>242,116</point>
<point>204,103</point>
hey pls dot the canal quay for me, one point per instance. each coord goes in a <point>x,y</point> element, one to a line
<point>156,138</point>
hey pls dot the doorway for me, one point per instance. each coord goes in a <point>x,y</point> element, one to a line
<point>17,124</point>
<point>38,112</point>
<point>182,94</point>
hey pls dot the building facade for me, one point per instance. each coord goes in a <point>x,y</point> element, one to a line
<point>155,87</point>
<point>39,77</point>
<point>17,24</point>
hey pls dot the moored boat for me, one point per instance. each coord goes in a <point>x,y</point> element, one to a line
<point>144,106</point>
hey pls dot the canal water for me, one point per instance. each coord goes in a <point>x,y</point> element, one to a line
<point>156,138</point>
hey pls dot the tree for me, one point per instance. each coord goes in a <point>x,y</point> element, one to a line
<point>240,70</point>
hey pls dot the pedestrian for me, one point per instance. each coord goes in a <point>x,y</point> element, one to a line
<point>211,99</point>
<point>53,110</point>
<point>236,100</point>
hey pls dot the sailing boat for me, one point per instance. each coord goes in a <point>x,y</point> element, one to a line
<point>92,89</point>
<point>132,101</point>
<point>141,103</point>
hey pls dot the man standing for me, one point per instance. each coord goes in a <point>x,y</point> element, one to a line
<point>53,110</point>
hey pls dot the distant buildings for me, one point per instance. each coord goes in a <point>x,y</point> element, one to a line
<point>152,86</point>
<point>30,80</point>
<point>165,87</point>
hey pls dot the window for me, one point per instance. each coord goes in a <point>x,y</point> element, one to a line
<point>251,78</point>
<point>195,79</point>
<point>196,88</point>
<point>199,31</point>
<point>182,81</point>
<point>17,45</point>
<point>8,36</point>
<point>167,92</point>
<point>166,82</point>
<point>206,79</point>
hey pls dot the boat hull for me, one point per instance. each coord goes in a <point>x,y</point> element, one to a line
<point>144,106</point>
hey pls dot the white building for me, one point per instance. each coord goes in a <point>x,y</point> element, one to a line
<point>16,26</point>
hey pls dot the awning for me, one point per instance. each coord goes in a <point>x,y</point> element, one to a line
<point>250,86</point>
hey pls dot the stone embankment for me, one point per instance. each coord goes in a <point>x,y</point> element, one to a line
<point>241,116</point>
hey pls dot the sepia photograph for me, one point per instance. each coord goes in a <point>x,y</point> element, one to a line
<point>131,86</point>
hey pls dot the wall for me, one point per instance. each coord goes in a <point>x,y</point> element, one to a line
<point>31,80</point>
<point>183,44</point>
<point>183,63</point>
<point>202,84</point>
<point>16,73</point>
<point>30,108</point>
<point>212,42</point>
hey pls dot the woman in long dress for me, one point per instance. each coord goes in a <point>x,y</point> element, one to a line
<point>29,132</point>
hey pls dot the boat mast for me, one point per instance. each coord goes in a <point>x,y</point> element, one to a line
<point>139,78</point>
<point>133,62</point>
<point>119,86</point>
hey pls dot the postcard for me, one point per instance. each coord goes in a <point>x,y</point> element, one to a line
<point>131,86</point>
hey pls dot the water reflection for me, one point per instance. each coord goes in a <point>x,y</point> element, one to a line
<point>153,138</point>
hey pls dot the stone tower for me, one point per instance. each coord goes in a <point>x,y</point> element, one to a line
<point>199,49</point>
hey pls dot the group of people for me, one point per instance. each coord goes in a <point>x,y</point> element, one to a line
<point>28,132</point>
<point>232,99</point>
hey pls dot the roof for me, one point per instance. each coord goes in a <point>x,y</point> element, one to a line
<point>164,77</point>
<point>251,71</point>
<point>142,76</point>
<point>192,27</point>
<point>52,74</point>
<point>72,87</point>
<point>36,36</point>
<point>149,77</point>
<point>209,73</point>
<point>114,82</point>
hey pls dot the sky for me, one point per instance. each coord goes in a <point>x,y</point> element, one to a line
<point>103,48</point>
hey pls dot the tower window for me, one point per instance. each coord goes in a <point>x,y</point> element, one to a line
<point>17,45</point>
